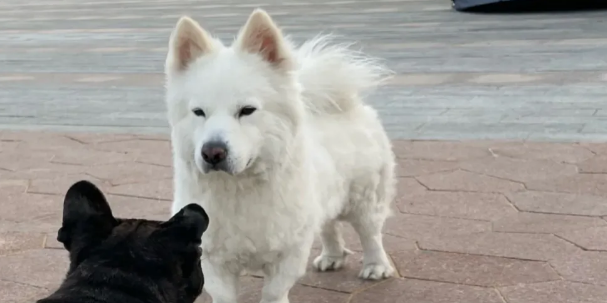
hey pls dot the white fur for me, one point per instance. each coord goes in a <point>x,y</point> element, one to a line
<point>313,154</point>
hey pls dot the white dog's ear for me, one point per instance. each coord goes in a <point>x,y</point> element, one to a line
<point>188,42</point>
<point>261,36</point>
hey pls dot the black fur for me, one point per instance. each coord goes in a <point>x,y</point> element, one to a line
<point>128,260</point>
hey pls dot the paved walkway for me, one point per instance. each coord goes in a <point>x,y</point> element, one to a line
<point>96,65</point>
<point>475,222</point>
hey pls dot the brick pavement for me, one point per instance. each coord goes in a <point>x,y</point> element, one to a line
<point>475,222</point>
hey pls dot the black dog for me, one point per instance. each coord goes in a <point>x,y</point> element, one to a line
<point>128,260</point>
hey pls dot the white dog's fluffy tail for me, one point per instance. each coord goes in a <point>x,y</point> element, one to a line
<point>333,75</point>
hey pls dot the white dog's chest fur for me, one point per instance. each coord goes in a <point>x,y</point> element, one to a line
<point>253,225</point>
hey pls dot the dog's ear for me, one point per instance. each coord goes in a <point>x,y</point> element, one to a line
<point>188,42</point>
<point>86,214</point>
<point>186,226</point>
<point>260,35</point>
<point>181,236</point>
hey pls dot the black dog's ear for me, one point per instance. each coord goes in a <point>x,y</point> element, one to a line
<point>85,213</point>
<point>188,224</point>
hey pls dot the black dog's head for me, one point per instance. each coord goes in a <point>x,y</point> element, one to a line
<point>132,253</point>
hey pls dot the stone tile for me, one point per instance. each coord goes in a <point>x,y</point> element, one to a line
<point>343,280</point>
<point>419,167</point>
<point>568,137</point>
<point>404,290</point>
<point>585,266</point>
<point>476,270</point>
<point>467,131</point>
<point>47,223</point>
<point>22,207</point>
<point>11,135</point>
<point>408,187</point>
<point>59,184</point>
<point>559,203</point>
<point>301,293</point>
<point>555,292</point>
<point>12,292</point>
<point>540,247</point>
<point>47,146</point>
<point>419,79</point>
<point>504,78</point>
<point>463,205</point>
<point>586,135</point>
<point>521,170</point>
<point>594,127</point>
<point>439,150</point>
<point>98,79</point>
<point>160,159</point>
<point>597,148</point>
<point>41,267</point>
<point>581,184</point>
<point>12,186</point>
<point>118,174</point>
<point>391,243</point>
<point>90,157</point>
<point>158,190</point>
<point>93,138</point>
<point>467,181</point>
<point>417,227</point>
<point>597,164</point>
<point>50,242</point>
<point>250,292</point>
<point>41,141</point>
<point>157,136</point>
<point>17,160</point>
<point>402,259</point>
<point>590,239</point>
<point>496,130</point>
<point>12,241</point>
<point>8,145</point>
<point>139,146</point>
<point>50,171</point>
<point>132,207</point>
<point>544,223</point>
<point>15,78</point>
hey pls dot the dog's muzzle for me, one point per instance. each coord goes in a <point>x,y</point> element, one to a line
<point>215,155</point>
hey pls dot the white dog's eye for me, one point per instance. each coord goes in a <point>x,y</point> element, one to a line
<point>198,112</point>
<point>247,110</point>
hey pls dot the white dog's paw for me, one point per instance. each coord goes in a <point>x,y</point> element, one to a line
<point>326,262</point>
<point>376,271</point>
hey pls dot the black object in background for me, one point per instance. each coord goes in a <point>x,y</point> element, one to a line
<point>527,5</point>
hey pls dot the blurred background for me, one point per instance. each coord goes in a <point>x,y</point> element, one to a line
<point>97,65</point>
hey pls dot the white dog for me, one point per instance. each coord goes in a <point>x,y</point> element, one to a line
<point>276,144</point>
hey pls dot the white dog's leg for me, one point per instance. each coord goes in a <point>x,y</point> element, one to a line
<point>334,252</point>
<point>376,264</point>
<point>221,285</point>
<point>281,276</point>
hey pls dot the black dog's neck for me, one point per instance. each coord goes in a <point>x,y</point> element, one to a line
<point>96,283</point>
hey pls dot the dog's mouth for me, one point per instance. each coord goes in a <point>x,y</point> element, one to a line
<point>224,167</point>
<point>207,168</point>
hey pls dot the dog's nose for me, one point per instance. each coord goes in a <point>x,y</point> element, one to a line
<point>214,152</point>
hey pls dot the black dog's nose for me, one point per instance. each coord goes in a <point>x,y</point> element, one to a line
<point>214,152</point>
